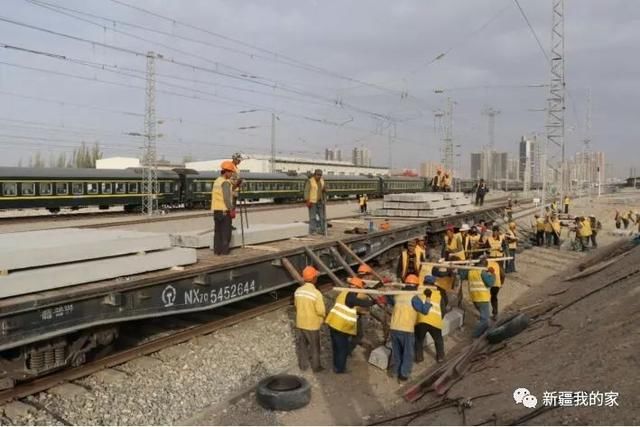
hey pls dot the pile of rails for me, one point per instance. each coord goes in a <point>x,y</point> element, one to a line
<point>424,205</point>
<point>36,261</point>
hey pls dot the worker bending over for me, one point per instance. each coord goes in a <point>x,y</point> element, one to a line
<point>479,284</point>
<point>315,197</point>
<point>432,321</point>
<point>310,312</point>
<point>365,272</point>
<point>403,321</point>
<point>343,323</point>
<point>223,210</point>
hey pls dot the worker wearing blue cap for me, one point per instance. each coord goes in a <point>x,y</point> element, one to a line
<point>432,321</point>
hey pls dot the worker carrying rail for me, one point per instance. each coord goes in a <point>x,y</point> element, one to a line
<point>223,209</point>
<point>343,323</point>
<point>480,283</point>
<point>315,195</point>
<point>310,312</point>
<point>431,322</point>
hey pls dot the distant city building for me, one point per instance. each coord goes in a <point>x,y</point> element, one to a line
<point>260,163</point>
<point>361,156</point>
<point>333,154</point>
<point>530,153</point>
<point>587,168</point>
<point>489,165</point>
<point>429,168</point>
<point>513,169</point>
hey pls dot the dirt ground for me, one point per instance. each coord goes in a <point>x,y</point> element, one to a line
<point>587,342</point>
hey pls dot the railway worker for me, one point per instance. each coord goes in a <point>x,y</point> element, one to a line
<point>421,250</point>
<point>566,203</point>
<point>403,321</point>
<point>585,231</point>
<point>480,283</point>
<point>548,231</point>
<point>538,228</point>
<point>409,263</point>
<point>557,228</point>
<point>618,219</point>
<point>436,181</point>
<point>512,239</point>
<point>464,233</point>
<point>446,182</point>
<point>496,243</point>
<point>473,239</point>
<point>508,211</point>
<point>315,192</point>
<point>236,181</point>
<point>310,312</point>
<point>453,245</point>
<point>431,322</point>
<point>625,219</point>
<point>554,207</point>
<point>596,226</point>
<point>223,209</point>
<point>495,289</point>
<point>481,191</point>
<point>343,323</point>
<point>362,201</point>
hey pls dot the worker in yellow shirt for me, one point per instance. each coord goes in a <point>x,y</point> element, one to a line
<point>496,243</point>
<point>362,201</point>
<point>567,201</point>
<point>512,240</point>
<point>584,226</point>
<point>431,322</point>
<point>500,277</point>
<point>556,228</point>
<point>315,194</point>
<point>223,209</point>
<point>538,225</point>
<point>310,312</point>
<point>453,244</point>
<point>421,249</point>
<point>409,262</point>
<point>480,283</point>
<point>548,231</point>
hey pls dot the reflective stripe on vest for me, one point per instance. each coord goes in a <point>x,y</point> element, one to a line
<point>301,293</point>
<point>217,196</point>
<point>434,316</point>
<point>313,189</point>
<point>343,318</point>
<point>477,289</point>
<point>404,316</point>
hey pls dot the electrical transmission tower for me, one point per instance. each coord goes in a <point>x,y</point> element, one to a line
<point>150,165</point>
<point>445,129</point>
<point>556,104</point>
<point>491,113</point>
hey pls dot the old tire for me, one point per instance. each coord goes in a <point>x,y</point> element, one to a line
<point>509,329</point>
<point>283,392</point>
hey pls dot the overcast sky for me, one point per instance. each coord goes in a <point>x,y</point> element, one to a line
<point>342,67</point>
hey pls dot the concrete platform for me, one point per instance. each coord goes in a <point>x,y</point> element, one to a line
<point>60,276</point>
<point>254,235</point>
<point>453,196</point>
<point>438,204</point>
<point>414,197</point>
<point>50,247</point>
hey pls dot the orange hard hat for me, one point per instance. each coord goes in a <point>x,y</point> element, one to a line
<point>412,279</point>
<point>364,269</point>
<point>309,273</point>
<point>355,282</point>
<point>228,166</point>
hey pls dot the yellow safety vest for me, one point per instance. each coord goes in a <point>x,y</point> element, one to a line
<point>496,268</point>
<point>496,246</point>
<point>217,196</point>
<point>310,308</point>
<point>404,316</point>
<point>314,195</point>
<point>548,227</point>
<point>540,224</point>
<point>434,316</point>
<point>362,200</point>
<point>455,247</point>
<point>425,270</point>
<point>477,289</point>
<point>420,253</point>
<point>566,201</point>
<point>512,244</point>
<point>473,241</point>
<point>586,228</point>
<point>405,263</point>
<point>554,206</point>
<point>342,318</point>
<point>556,226</point>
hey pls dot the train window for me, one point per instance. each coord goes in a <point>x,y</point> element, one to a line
<point>106,188</point>
<point>28,188</point>
<point>46,188</point>
<point>9,189</point>
<point>259,186</point>
<point>62,188</point>
<point>133,187</point>
<point>77,188</point>
<point>121,187</point>
<point>208,186</point>
<point>92,188</point>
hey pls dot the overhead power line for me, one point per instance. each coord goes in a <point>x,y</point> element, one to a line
<point>533,32</point>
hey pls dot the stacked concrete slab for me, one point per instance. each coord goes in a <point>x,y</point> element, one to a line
<point>416,205</point>
<point>254,235</point>
<point>36,261</point>
<point>459,202</point>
